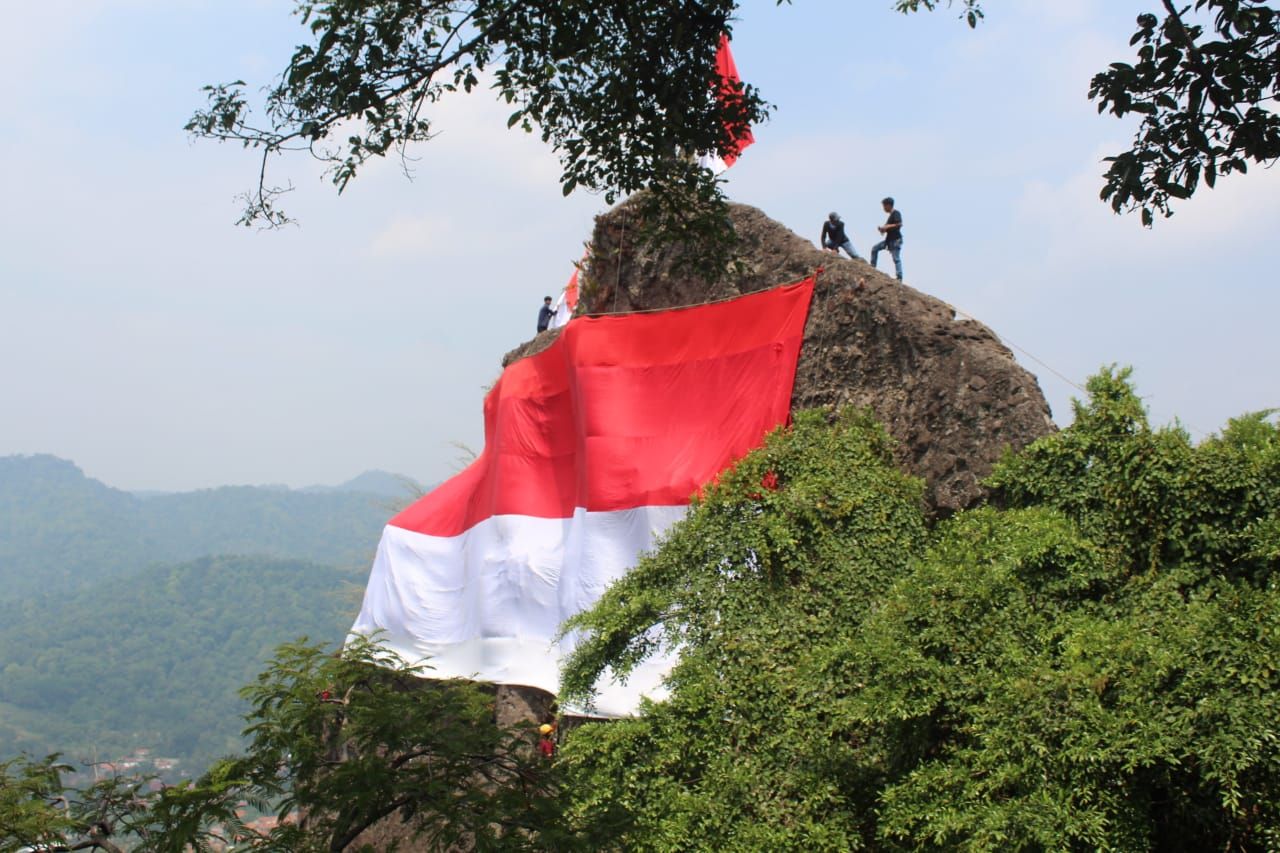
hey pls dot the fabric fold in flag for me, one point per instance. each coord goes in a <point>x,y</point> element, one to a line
<point>593,448</point>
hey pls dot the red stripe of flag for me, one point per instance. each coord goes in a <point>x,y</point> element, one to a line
<point>627,411</point>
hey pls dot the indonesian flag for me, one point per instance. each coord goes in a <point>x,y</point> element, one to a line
<point>566,303</point>
<point>593,448</point>
<point>727,89</point>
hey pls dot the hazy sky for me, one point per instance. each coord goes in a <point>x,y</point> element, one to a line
<point>150,340</point>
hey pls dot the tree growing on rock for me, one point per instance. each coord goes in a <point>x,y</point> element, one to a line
<point>617,88</point>
<point>620,88</point>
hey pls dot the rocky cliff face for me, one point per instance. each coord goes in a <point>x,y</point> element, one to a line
<point>946,389</point>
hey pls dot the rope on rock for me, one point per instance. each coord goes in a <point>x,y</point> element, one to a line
<point>689,305</point>
<point>967,316</point>
<point>1083,390</point>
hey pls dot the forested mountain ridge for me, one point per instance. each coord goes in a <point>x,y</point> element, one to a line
<point>58,526</point>
<point>331,527</point>
<point>61,531</point>
<point>125,621</point>
<point>155,659</point>
<point>373,482</point>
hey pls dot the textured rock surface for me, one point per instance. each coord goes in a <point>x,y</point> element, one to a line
<point>947,389</point>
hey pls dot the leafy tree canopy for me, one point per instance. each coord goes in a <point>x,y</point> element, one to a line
<point>1205,83</point>
<point>621,88</point>
<point>791,549</point>
<point>616,87</point>
<point>1090,662</point>
<point>337,744</point>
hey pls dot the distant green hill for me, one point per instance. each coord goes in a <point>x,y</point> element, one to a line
<point>61,531</point>
<point>126,622</point>
<point>155,659</point>
<point>339,528</point>
<point>395,486</point>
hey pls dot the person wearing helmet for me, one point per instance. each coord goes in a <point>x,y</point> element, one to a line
<point>892,231</point>
<point>546,745</point>
<point>833,237</point>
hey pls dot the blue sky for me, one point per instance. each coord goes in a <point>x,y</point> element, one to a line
<point>147,338</point>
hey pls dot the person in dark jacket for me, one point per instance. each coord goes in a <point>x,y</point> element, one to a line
<point>545,313</point>
<point>892,231</point>
<point>833,237</point>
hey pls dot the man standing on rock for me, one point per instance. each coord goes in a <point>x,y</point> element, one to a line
<point>545,313</point>
<point>892,231</point>
<point>833,237</point>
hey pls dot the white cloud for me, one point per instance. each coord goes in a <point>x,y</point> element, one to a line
<point>472,142</point>
<point>416,236</point>
<point>1188,303</point>
<point>1068,215</point>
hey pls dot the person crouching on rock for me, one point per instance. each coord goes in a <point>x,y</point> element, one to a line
<point>834,239</point>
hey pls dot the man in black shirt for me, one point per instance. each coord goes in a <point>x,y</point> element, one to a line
<point>545,313</point>
<point>833,237</point>
<point>892,231</point>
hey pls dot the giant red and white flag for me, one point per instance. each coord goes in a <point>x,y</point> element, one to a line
<point>727,87</point>
<point>593,449</point>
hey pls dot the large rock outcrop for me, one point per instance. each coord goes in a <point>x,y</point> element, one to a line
<point>946,388</point>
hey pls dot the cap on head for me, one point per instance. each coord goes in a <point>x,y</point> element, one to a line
<point>887,200</point>
<point>546,299</point>
<point>545,728</point>
<point>833,216</point>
